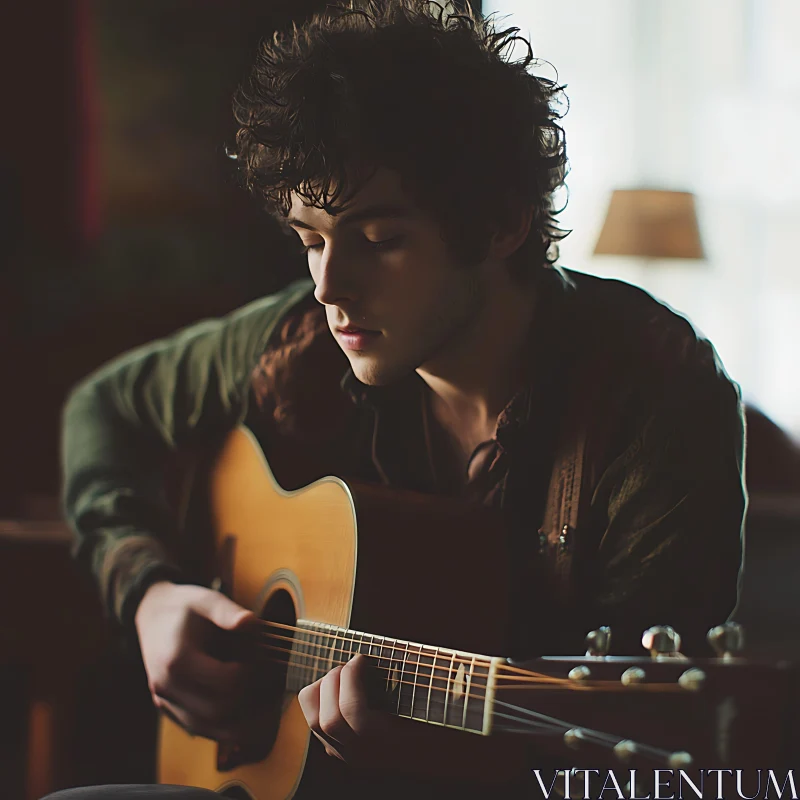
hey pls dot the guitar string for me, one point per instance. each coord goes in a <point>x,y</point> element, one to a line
<point>538,716</point>
<point>532,720</point>
<point>458,659</point>
<point>524,681</point>
<point>449,668</point>
<point>611,740</point>
<point>506,671</point>
<point>587,735</point>
<point>569,686</point>
<point>448,654</point>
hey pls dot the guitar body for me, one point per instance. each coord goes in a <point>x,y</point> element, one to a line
<point>406,565</point>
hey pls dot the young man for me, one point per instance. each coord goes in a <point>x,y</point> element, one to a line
<point>436,348</point>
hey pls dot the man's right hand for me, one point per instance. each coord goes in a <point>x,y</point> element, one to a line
<point>186,681</point>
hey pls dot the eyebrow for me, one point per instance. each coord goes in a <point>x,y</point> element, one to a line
<point>368,213</point>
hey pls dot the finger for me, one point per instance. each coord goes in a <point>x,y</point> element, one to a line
<point>353,697</point>
<point>331,721</point>
<point>308,698</point>
<point>220,677</point>
<point>197,673</point>
<point>196,702</point>
<point>223,612</point>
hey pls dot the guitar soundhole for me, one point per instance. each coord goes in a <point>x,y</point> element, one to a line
<point>269,688</point>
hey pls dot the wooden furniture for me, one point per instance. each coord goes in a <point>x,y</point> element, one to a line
<point>51,627</point>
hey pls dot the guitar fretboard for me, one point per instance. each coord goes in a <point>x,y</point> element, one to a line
<point>431,684</point>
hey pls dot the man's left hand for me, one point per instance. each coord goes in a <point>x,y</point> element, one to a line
<point>337,711</point>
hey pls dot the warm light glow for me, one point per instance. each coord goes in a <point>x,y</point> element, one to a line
<point>650,223</point>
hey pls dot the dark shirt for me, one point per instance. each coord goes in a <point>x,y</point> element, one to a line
<point>618,464</point>
<point>659,529</point>
<point>659,538</point>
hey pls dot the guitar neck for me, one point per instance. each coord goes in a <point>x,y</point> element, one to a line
<point>429,684</point>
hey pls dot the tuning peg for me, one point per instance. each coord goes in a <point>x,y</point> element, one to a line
<point>727,640</point>
<point>680,760</point>
<point>663,642</point>
<point>598,643</point>
<point>625,750</point>
<point>632,676</point>
<point>693,680</point>
<point>573,738</point>
<point>581,673</point>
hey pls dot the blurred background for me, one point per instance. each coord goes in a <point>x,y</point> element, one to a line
<point>700,96</point>
<point>121,221</point>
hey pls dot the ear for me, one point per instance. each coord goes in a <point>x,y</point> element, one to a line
<point>510,237</point>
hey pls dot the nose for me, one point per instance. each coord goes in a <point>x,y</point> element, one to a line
<point>334,277</point>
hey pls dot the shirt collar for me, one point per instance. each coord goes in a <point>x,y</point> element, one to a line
<point>542,351</point>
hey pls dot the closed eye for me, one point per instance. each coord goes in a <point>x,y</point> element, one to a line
<point>386,244</point>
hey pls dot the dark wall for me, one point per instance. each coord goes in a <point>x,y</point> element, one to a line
<point>121,219</point>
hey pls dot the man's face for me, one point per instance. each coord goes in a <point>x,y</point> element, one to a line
<point>394,296</point>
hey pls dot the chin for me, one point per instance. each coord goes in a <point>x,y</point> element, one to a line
<point>378,373</point>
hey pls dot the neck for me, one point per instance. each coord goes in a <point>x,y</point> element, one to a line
<point>429,684</point>
<point>473,380</point>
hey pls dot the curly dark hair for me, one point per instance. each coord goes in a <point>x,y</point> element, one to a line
<point>434,96</point>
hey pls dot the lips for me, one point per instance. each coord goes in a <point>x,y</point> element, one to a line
<point>356,339</point>
<point>352,329</point>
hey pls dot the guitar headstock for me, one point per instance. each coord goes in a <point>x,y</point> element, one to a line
<point>659,710</point>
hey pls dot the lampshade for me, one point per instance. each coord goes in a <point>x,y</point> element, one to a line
<point>650,223</point>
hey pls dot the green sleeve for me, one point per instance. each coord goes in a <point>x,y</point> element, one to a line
<point>674,504</point>
<point>120,425</point>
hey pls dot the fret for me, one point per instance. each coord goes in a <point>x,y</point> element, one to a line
<point>291,669</point>
<point>375,648</point>
<point>312,672</point>
<point>301,652</point>
<point>447,686</point>
<point>332,645</point>
<point>371,643</point>
<point>315,653</point>
<point>389,663</point>
<point>476,695</point>
<point>392,674</point>
<point>308,665</point>
<point>380,656</point>
<point>360,644</point>
<point>298,639</point>
<point>380,645</point>
<point>417,662</point>
<point>467,691</point>
<point>350,644</point>
<point>300,672</point>
<point>434,685</point>
<point>408,685</point>
<point>422,680</point>
<point>431,684</point>
<point>402,684</point>
<point>318,645</point>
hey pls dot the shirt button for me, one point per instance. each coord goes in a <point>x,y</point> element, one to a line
<point>542,541</point>
<point>563,539</point>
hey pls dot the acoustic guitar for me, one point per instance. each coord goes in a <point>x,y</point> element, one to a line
<point>419,584</point>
